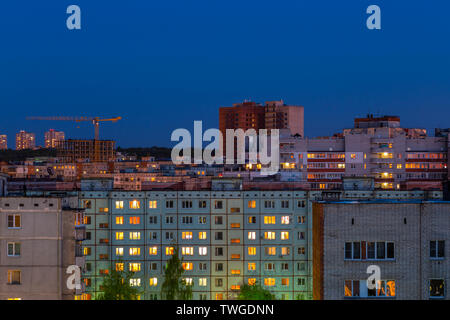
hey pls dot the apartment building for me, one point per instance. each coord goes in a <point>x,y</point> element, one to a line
<point>72,151</point>
<point>406,240</point>
<point>3,142</point>
<point>227,236</point>
<point>397,158</point>
<point>25,140</point>
<point>51,138</point>
<point>40,237</point>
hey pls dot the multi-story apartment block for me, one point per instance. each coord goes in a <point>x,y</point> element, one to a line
<point>72,151</point>
<point>3,142</point>
<point>52,137</point>
<point>40,237</point>
<point>25,140</point>
<point>226,236</point>
<point>397,158</point>
<point>404,242</point>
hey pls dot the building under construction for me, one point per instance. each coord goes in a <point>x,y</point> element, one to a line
<point>70,151</point>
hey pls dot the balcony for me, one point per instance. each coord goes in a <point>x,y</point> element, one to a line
<point>80,233</point>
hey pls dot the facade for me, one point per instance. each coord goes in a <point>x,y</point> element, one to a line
<point>226,236</point>
<point>72,151</point>
<point>397,158</point>
<point>407,240</point>
<point>25,140</point>
<point>40,237</point>
<point>3,142</point>
<point>51,137</point>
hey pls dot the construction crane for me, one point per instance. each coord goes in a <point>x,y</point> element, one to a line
<point>95,121</point>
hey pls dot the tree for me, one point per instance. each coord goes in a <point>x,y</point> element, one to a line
<point>116,286</point>
<point>255,292</point>
<point>174,286</point>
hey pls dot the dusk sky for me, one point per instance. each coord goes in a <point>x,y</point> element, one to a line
<point>163,64</point>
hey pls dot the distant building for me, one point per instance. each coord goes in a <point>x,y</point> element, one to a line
<point>71,151</point>
<point>25,140</point>
<point>407,240</point>
<point>52,137</point>
<point>40,238</point>
<point>3,142</point>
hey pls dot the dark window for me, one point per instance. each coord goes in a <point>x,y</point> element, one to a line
<point>381,250</point>
<point>437,288</point>
<point>348,250</point>
<point>370,250</point>
<point>356,250</point>
<point>390,250</point>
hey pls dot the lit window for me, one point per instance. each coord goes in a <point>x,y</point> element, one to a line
<point>251,251</point>
<point>235,271</point>
<point>252,235</point>
<point>135,282</point>
<point>119,251</point>
<point>251,266</point>
<point>135,235</point>
<point>187,266</point>
<point>202,251</point>
<point>14,276</point>
<point>202,282</point>
<point>251,281</point>
<point>235,287</point>
<point>187,235</point>
<point>119,204</point>
<point>269,235</point>
<point>271,251</point>
<point>135,220</point>
<point>153,204</point>
<point>119,235</point>
<point>285,281</point>
<point>187,281</point>
<point>284,235</point>
<point>153,282</point>
<point>269,281</point>
<point>169,251</point>
<point>119,266</point>
<point>135,204</point>
<point>14,221</point>
<point>252,204</point>
<point>153,251</point>
<point>135,251</point>
<point>269,219</point>
<point>135,267</point>
<point>119,220</point>
<point>285,251</point>
<point>202,235</point>
<point>285,220</point>
<point>187,251</point>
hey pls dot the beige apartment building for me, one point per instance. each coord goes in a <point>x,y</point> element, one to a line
<point>39,239</point>
<point>407,240</point>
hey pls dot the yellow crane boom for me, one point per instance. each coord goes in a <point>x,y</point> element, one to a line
<point>95,121</point>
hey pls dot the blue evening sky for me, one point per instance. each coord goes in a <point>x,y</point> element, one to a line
<point>163,64</point>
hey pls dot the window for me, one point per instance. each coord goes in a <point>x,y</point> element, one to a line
<point>301,203</point>
<point>437,288</point>
<point>235,271</point>
<point>186,220</point>
<point>135,204</point>
<point>358,288</point>
<point>14,276</point>
<point>202,204</point>
<point>13,249</point>
<point>202,282</point>
<point>187,251</point>
<point>269,282</point>
<point>285,251</point>
<point>187,266</point>
<point>187,235</point>
<point>269,266</point>
<point>135,251</point>
<point>284,235</point>
<point>169,251</point>
<point>202,235</point>
<point>153,251</point>
<point>252,235</point>
<point>202,266</point>
<point>154,266</point>
<point>251,251</point>
<point>153,282</point>
<point>269,204</point>
<point>169,204</point>
<point>135,267</point>
<point>202,220</point>
<point>252,220</point>
<point>362,250</point>
<point>251,204</point>
<point>219,236</point>
<point>284,281</point>
<point>285,219</point>
<point>219,251</point>
<point>119,251</point>
<point>119,235</point>
<point>119,205</point>
<point>119,220</point>
<point>169,236</point>
<point>251,266</point>
<point>219,282</point>
<point>119,266</point>
<point>301,250</point>
<point>218,204</point>
<point>301,281</point>
<point>153,204</point>
<point>301,219</point>
<point>218,220</point>
<point>301,235</point>
<point>153,236</point>
<point>135,220</point>
<point>186,204</point>
<point>269,219</point>
<point>437,249</point>
<point>284,204</point>
<point>285,266</point>
<point>86,251</point>
<point>169,220</point>
<point>135,235</point>
<point>14,221</point>
<point>202,251</point>
<point>135,282</point>
<point>219,266</point>
<point>235,225</point>
<point>270,251</point>
<point>269,235</point>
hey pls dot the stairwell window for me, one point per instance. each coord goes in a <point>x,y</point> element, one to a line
<point>437,249</point>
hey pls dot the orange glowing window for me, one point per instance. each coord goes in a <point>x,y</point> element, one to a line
<point>235,271</point>
<point>237,240</point>
<point>235,256</point>
<point>135,220</point>
<point>251,281</point>
<point>236,287</point>
<point>235,225</point>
